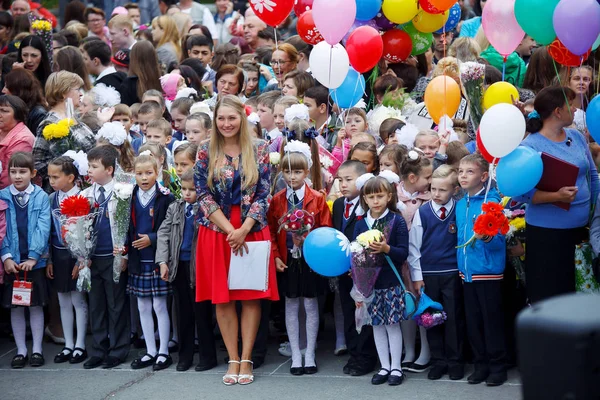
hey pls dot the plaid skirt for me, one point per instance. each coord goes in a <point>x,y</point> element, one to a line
<point>387,306</point>
<point>148,283</point>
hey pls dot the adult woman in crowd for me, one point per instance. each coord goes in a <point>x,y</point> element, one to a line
<point>144,73</point>
<point>230,80</point>
<point>61,87</point>
<point>232,181</point>
<point>166,37</point>
<point>70,59</point>
<point>284,60</point>
<point>23,84</point>
<point>552,233</point>
<point>304,50</point>
<point>540,71</point>
<point>14,134</point>
<point>32,56</point>
<point>579,80</point>
<point>6,30</point>
<point>96,22</point>
<point>295,83</point>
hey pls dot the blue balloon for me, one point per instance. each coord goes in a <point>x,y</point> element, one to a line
<point>519,172</point>
<point>351,90</point>
<point>592,118</point>
<point>453,19</point>
<point>327,252</point>
<point>367,9</point>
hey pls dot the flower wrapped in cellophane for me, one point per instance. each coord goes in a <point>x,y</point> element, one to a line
<point>365,268</point>
<point>297,222</point>
<point>472,76</point>
<point>119,227</point>
<point>78,234</point>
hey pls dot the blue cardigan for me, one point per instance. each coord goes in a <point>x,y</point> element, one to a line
<point>396,234</point>
<point>38,228</point>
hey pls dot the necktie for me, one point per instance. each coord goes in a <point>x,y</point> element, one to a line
<point>443,213</point>
<point>294,199</point>
<point>101,197</point>
<point>188,210</point>
<point>347,212</point>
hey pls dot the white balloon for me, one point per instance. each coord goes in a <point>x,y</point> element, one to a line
<point>502,129</point>
<point>329,64</point>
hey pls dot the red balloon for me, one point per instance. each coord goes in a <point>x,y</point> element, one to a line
<point>307,30</point>
<point>442,4</point>
<point>272,12</point>
<point>397,45</point>
<point>429,8</point>
<point>302,6</point>
<point>563,56</point>
<point>481,148</point>
<point>365,48</point>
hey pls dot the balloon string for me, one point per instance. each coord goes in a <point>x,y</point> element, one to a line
<point>561,85</point>
<point>504,69</point>
<point>330,59</point>
<point>489,183</point>
<point>581,105</point>
<point>276,43</point>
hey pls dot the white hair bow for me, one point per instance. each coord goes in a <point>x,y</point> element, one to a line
<point>296,146</point>
<point>80,161</point>
<point>389,176</point>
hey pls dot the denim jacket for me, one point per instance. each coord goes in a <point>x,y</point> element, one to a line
<point>255,198</point>
<point>38,227</point>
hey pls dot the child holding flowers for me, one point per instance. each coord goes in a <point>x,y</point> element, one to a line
<point>294,211</point>
<point>378,197</point>
<point>482,274</point>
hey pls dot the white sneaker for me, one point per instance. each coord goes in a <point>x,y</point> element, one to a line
<point>286,350</point>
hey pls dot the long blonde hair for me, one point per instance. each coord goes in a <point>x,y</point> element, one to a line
<point>249,168</point>
<point>170,34</point>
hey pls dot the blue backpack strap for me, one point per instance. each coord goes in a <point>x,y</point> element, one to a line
<point>390,262</point>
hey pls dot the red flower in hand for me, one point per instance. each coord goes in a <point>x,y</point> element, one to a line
<point>75,206</point>
<point>487,225</point>
<point>492,208</point>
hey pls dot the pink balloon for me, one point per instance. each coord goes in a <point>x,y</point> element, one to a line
<point>501,27</point>
<point>334,18</point>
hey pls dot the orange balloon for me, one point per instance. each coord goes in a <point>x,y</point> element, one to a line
<point>442,97</point>
<point>442,5</point>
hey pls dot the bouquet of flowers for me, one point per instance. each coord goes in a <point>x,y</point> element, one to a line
<point>472,76</point>
<point>174,182</point>
<point>59,134</point>
<point>491,223</point>
<point>431,318</point>
<point>42,28</point>
<point>365,268</point>
<point>515,236</point>
<point>123,191</point>
<point>298,222</point>
<point>78,234</point>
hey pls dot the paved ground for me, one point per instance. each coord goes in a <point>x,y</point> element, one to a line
<point>272,380</point>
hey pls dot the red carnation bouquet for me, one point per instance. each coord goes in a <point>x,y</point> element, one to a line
<point>298,222</point>
<point>490,223</point>
<point>77,231</point>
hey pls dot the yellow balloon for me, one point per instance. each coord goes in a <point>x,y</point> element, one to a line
<point>499,92</point>
<point>400,11</point>
<point>442,97</point>
<point>427,23</point>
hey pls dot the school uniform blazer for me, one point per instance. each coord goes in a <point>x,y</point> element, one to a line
<point>313,202</point>
<point>162,200</point>
<point>38,227</point>
<point>112,204</point>
<point>170,238</point>
<point>338,218</point>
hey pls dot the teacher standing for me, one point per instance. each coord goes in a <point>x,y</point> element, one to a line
<point>232,181</point>
<point>552,233</point>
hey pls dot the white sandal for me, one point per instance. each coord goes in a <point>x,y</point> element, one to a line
<point>231,379</point>
<point>248,377</point>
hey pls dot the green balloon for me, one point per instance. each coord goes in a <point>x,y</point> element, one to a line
<point>421,41</point>
<point>596,44</point>
<point>535,17</point>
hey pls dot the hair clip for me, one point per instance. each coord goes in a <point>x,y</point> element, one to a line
<point>145,153</point>
<point>534,115</point>
<point>311,133</point>
<point>413,155</point>
<point>289,134</point>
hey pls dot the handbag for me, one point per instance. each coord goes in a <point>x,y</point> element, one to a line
<point>21,293</point>
<point>410,301</point>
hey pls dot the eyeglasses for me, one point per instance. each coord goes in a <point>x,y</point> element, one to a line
<point>93,21</point>
<point>278,63</point>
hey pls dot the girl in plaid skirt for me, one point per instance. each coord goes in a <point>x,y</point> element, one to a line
<point>147,281</point>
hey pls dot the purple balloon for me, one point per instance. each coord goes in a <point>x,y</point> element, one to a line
<point>358,24</point>
<point>577,24</point>
<point>383,23</point>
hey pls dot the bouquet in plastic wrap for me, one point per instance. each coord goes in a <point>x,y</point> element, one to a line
<point>297,222</point>
<point>123,191</point>
<point>77,230</point>
<point>365,268</point>
<point>429,313</point>
<point>472,76</point>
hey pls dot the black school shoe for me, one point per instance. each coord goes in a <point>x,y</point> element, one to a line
<point>19,361</point>
<point>478,376</point>
<point>78,358</point>
<point>93,362</point>
<point>456,372</point>
<point>37,360</point>
<point>138,363</point>
<point>417,368</point>
<point>496,379</point>
<point>311,370</point>
<point>160,365</point>
<point>183,365</point>
<point>111,362</point>
<point>63,357</point>
<point>395,380</point>
<point>436,372</point>
<point>380,379</point>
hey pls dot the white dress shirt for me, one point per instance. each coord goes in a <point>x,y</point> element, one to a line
<point>299,192</point>
<point>371,221</point>
<point>415,239</point>
<point>108,189</point>
<point>15,192</point>
<point>107,71</point>
<point>146,196</point>
<point>63,195</point>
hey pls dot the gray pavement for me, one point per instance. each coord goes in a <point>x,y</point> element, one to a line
<point>273,380</point>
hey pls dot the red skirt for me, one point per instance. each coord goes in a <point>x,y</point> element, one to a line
<point>213,256</point>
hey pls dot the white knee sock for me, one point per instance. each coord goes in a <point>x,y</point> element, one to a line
<point>383,347</point>
<point>81,317</point>
<point>164,324</point>
<point>409,332</point>
<point>338,319</point>
<point>395,340</point>
<point>67,318</point>
<point>292,325</point>
<point>175,317</point>
<point>36,321</point>
<point>425,355</point>
<point>145,308</point>
<point>311,306</point>
<point>17,320</point>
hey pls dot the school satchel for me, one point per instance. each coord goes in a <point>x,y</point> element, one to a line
<point>21,294</point>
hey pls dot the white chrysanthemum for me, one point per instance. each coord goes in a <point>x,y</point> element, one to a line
<point>274,158</point>
<point>355,247</point>
<point>123,190</point>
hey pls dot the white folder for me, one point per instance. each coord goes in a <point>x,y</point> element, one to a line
<point>251,270</point>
